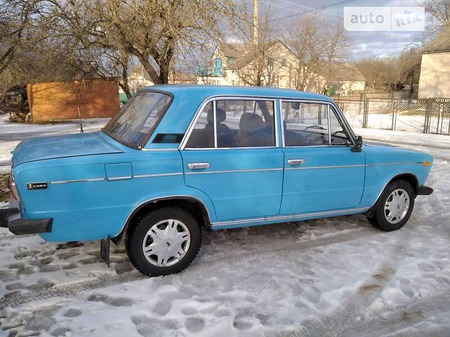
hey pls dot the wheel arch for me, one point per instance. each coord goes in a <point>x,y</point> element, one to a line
<point>193,205</point>
<point>408,177</point>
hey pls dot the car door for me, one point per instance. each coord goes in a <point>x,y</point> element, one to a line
<point>322,173</point>
<point>231,155</point>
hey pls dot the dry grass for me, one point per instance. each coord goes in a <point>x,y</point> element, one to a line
<point>4,190</point>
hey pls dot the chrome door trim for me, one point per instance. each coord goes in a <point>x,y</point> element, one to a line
<point>156,175</point>
<point>236,171</point>
<point>396,164</point>
<point>325,167</point>
<point>59,182</point>
<point>285,218</point>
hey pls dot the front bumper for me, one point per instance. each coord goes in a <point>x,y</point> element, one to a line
<point>10,218</point>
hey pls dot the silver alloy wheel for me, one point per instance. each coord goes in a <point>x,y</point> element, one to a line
<point>396,206</point>
<point>166,243</point>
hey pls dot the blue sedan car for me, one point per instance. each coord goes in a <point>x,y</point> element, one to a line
<point>178,158</point>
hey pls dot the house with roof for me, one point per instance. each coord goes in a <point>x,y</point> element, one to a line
<point>274,64</point>
<point>344,79</point>
<point>219,68</point>
<point>435,67</point>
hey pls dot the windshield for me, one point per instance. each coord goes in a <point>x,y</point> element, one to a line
<point>137,119</point>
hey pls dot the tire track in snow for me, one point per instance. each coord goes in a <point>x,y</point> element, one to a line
<point>255,249</point>
<point>355,317</point>
<point>10,237</point>
<point>16,299</point>
<point>341,320</point>
<point>68,289</point>
<point>401,317</point>
<point>349,323</point>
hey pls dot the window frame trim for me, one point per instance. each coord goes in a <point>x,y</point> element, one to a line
<point>337,113</point>
<point>149,134</point>
<point>214,100</point>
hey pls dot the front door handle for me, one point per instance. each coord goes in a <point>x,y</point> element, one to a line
<point>199,166</point>
<point>294,162</point>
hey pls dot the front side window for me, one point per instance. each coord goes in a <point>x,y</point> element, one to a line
<point>234,123</point>
<point>311,124</point>
<point>135,122</point>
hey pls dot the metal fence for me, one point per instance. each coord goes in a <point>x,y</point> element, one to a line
<point>430,115</point>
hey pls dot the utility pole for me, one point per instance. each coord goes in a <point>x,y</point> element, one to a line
<point>255,22</point>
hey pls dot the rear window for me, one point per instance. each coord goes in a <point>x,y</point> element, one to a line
<point>138,118</point>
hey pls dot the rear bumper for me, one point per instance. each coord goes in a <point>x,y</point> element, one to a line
<point>424,190</point>
<point>10,218</point>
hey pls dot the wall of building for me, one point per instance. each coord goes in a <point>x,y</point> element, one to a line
<point>435,76</point>
<point>60,100</point>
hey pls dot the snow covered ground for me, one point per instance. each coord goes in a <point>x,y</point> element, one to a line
<point>332,277</point>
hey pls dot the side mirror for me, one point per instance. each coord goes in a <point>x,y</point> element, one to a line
<point>358,144</point>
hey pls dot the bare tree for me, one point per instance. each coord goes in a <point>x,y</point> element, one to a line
<point>152,30</point>
<point>317,44</point>
<point>36,49</point>
<point>394,72</point>
<point>14,17</point>
<point>68,39</point>
<point>260,60</point>
<point>255,67</point>
<point>408,68</point>
<point>439,10</point>
<point>378,72</point>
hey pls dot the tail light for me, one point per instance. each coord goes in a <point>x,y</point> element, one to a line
<point>13,188</point>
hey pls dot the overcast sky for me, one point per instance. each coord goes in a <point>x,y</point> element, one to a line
<point>365,44</point>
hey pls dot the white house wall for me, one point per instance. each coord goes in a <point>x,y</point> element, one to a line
<point>435,76</point>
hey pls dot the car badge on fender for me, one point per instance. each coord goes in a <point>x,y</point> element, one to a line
<point>37,186</point>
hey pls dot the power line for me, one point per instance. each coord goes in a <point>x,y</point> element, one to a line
<point>306,7</point>
<point>305,12</point>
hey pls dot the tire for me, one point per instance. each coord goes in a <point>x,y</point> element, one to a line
<point>394,207</point>
<point>163,242</point>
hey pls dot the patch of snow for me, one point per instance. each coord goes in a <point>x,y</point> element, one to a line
<point>329,277</point>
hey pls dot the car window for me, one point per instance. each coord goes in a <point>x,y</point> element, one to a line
<point>202,135</point>
<point>311,124</point>
<point>337,131</point>
<point>234,123</point>
<point>134,123</point>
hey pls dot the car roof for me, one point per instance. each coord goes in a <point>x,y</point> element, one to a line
<point>187,99</point>
<point>201,90</point>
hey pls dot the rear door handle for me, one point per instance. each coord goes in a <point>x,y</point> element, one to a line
<point>294,162</point>
<point>199,166</point>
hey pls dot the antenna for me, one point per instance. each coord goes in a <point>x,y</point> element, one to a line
<point>81,124</point>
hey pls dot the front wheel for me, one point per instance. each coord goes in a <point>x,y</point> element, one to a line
<point>164,242</point>
<point>394,206</point>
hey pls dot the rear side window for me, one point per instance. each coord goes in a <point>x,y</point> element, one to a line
<point>233,123</point>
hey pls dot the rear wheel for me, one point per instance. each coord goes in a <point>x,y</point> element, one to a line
<point>163,242</point>
<point>394,206</point>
